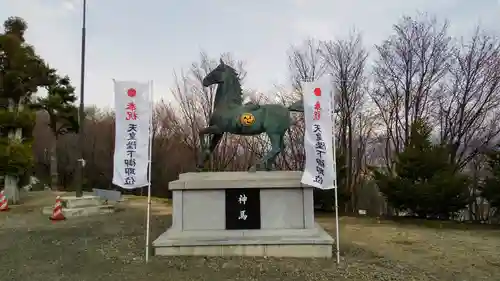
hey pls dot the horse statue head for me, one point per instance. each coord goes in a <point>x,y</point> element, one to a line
<point>228,84</point>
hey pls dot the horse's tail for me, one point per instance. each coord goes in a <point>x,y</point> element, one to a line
<point>297,106</point>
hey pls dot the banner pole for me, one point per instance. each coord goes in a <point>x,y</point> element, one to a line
<point>335,187</point>
<point>337,225</point>
<point>148,212</point>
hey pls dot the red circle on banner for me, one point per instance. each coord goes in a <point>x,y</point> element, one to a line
<point>131,92</point>
<point>317,92</point>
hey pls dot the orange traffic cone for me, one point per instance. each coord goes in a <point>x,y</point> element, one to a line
<point>57,214</point>
<point>4,203</point>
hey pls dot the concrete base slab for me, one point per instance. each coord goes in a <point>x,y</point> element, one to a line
<point>84,201</point>
<point>303,243</point>
<point>82,211</point>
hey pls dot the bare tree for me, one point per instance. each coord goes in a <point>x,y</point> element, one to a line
<point>306,62</point>
<point>98,150</point>
<point>407,72</point>
<point>346,59</point>
<point>468,105</point>
<point>167,145</point>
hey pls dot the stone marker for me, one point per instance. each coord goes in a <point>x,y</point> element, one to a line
<point>81,206</point>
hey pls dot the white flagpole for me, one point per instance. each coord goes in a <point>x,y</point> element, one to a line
<point>148,213</point>
<point>337,242</point>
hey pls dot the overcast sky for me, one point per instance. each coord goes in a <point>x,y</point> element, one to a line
<point>148,39</point>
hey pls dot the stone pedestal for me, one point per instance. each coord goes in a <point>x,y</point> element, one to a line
<point>214,215</point>
<point>81,206</point>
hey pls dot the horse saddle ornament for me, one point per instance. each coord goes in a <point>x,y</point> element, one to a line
<point>247,119</point>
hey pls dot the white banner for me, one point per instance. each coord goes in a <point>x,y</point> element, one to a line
<point>320,168</point>
<point>133,120</point>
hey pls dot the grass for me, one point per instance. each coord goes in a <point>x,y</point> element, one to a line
<point>439,224</point>
<point>142,198</point>
<point>111,247</point>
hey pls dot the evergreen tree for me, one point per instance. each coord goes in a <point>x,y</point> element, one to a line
<point>63,116</point>
<point>424,183</point>
<point>491,186</point>
<point>22,72</point>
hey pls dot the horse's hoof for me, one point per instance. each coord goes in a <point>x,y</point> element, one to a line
<point>261,167</point>
<point>252,169</point>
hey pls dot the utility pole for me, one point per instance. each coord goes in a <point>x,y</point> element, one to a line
<point>81,112</point>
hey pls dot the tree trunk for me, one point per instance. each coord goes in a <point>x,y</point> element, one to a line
<point>12,189</point>
<point>328,200</point>
<point>350,170</point>
<point>54,175</point>
<point>11,182</point>
<point>11,185</point>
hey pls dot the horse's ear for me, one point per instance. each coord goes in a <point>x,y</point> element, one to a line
<point>221,62</point>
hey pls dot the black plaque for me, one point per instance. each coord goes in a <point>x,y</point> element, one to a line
<point>243,208</point>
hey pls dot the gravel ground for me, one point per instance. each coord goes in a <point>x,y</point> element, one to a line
<point>112,248</point>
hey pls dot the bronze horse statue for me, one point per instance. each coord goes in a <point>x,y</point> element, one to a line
<point>230,115</point>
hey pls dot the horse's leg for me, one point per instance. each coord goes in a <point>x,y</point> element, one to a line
<point>280,144</point>
<point>205,153</point>
<point>213,144</point>
<point>276,146</point>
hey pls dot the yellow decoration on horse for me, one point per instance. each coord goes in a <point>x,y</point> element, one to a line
<point>247,119</point>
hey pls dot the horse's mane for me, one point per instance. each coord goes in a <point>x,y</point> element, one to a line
<point>231,88</point>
